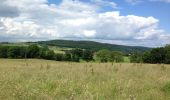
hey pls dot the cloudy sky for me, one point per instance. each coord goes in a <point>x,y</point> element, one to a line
<point>126,22</point>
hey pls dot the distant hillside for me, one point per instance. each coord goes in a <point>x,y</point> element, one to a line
<point>94,45</point>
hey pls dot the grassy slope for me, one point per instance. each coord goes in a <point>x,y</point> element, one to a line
<point>51,80</point>
<point>94,45</point>
<point>59,45</point>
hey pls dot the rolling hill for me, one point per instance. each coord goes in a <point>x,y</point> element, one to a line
<point>94,45</point>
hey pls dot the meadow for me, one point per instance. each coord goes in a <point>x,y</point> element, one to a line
<point>34,79</point>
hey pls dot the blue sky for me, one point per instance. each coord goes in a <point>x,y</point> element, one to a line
<point>125,22</point>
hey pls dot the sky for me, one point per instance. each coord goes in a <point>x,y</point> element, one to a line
<point>124,22</point>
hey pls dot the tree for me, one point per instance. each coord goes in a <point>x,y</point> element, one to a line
<point>3,51</point>
<point>14,52</point>
<point>158,55</point>
<point>23,52</point>
<point>87,55</point>
<point>50,55</point>
<point>76,54</point>
<point>33,51</point>
<point>136,57</point>
<point>146,58</point>
<point>167,56</point>
<point>116,56</point>
<point>103,55</point>
<point>67,56</point>
<point>59,57</point>
<point>43,52</point>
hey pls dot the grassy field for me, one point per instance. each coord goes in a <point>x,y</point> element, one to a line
<point>51,80</point>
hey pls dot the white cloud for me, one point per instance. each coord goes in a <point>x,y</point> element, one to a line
<point>103,3</point>
<point>89,33</point>
<point>39,20</point>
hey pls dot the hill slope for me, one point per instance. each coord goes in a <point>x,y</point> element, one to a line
<point>93,45</point>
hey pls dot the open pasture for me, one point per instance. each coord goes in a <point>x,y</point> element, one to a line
<point>34,79</point>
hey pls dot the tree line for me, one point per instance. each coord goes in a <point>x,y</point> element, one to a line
<point>43,52</point>
<point>156,55</point>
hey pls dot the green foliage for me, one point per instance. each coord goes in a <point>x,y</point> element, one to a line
<point>167,56</point>
<point>16,52</point>
<point>77,54</point>
<point>156,55</point>
<point>103,55</point>
<point>87,55</point>
<point>33,51</point>
<point>67,56</point>
<point>94,46</point>
<point>50,55</point>
<point>43,51</point>
<point>3,51</point>
<point>116,56</point>
<point>146,57</point>
<point>136,58</point>
<point>59,57</point>
<point>106,55</point>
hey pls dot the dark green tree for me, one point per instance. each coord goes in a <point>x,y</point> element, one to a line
<point>43,52</point>
<point>146,57</point>
<point>3,51</point>
<point>158,55</point>
<point>76,54</point>
<point>67,56</point>
<point>50,55</point>
<point>14,52</point>
<point>167,56</point>
<point>33,51</point>
<point>87,55</point>
<point>59,57</point>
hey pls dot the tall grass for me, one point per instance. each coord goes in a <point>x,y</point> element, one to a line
<point>51,80</point>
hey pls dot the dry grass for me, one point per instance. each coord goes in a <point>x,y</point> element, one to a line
<point>51,80</point>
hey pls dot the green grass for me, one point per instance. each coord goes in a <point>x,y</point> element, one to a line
<point>57,49</point>
<point>50,80</point>
<point>126,59</point>
<point>166,88</point>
